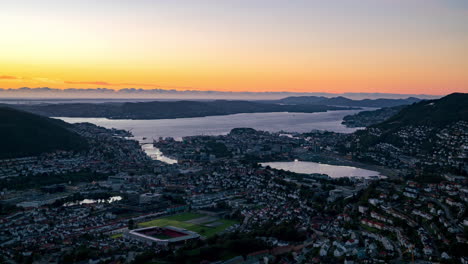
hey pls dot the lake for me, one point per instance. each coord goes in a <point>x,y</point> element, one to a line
<point>221,125</point>
<point>91,201</point>
<point>334,171</point>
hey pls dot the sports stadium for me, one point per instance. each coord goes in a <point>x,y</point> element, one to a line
<point>161,236</point>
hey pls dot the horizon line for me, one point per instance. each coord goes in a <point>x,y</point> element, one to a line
<point>139,89</point>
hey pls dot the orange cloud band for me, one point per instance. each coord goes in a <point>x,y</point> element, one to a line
<point>104,83</point>
<point>6,77</point>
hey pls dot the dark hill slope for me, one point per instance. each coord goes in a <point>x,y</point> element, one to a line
<point>25,134</point>
<point>436,113</point>
<point>431,134</point>
<point>368,118</point>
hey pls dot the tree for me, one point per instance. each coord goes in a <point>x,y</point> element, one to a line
<point>131,224</point>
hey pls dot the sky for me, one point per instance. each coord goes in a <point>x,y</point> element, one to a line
<point>334,46</point>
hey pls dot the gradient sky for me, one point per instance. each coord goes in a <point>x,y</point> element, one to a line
<point>389,46</point>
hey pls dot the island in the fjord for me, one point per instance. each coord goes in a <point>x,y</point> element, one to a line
<point>184,109</point>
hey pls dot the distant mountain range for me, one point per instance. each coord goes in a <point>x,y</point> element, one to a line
<point>166,110</point>
<point>25,134</point>
<point>26,93</point>
<point>343,101</point>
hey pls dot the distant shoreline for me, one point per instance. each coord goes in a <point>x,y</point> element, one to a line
<point>167,109</point>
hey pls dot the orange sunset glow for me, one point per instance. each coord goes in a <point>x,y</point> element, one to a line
<point>406,47</point>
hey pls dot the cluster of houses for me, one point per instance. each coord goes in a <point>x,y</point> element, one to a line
<point>107,153</point>
<point>408,147</point>
<point>427,222</point>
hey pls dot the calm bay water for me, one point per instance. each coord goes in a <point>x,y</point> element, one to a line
<point>333,171</point>
<point>220,125</point>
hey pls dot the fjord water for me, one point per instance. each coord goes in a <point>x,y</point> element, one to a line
<point>147,130</point>
<point>156,154</point>
<point>221,125</point>
<point>334,171</point>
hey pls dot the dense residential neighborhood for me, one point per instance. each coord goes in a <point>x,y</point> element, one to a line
<point>109,153</point>
<point>408,150</point>
<point>367,219</point>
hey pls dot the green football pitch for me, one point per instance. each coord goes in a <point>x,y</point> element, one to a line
<point>206,229</point>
